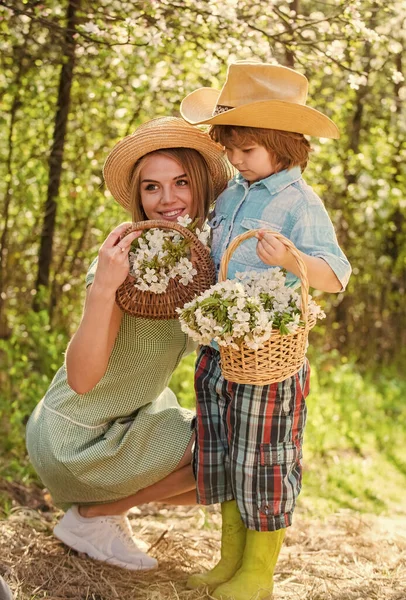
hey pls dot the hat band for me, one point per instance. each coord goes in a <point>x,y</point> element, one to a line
<point>221,108</point>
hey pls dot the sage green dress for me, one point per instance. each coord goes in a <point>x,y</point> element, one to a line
<point>127,433</point>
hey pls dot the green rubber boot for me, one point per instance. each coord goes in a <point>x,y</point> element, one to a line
<point>254,580</point>
<point>232,549</point>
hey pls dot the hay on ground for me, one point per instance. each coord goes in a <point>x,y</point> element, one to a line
<point>344,557</point>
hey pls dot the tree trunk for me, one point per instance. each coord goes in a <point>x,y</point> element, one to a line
<point>4,328</point>
<point>56,156</point>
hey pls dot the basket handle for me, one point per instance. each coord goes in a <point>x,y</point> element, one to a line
<point>142,225</point>
<point>304,282</point>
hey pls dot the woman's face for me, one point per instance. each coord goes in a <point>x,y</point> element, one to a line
<point>165,189</point>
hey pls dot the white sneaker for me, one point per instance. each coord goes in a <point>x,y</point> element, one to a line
<point>107,538</point>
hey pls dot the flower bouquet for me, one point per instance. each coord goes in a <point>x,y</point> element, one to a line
<point>170,264</point>
<point>260,325</point>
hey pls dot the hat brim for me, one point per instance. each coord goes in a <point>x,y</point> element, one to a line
<point>170,132</point>
<point>197,109</point>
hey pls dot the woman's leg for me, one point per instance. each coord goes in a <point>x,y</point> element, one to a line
<point>180,485</point>
<point>103,531</point>
<point>186,499</point>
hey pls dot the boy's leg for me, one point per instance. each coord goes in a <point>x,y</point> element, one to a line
<point>212,465</point>
<point>265,452</point>
<point>254,580</point>
<point>232,548</point>
<point>212,461</point>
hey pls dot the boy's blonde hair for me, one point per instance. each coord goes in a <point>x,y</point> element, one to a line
<point>287,149</point>
<point>198,174</point>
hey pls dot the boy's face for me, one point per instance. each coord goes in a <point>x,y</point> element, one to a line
<point>254,162</point>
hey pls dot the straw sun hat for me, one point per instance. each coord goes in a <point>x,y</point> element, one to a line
<point>259,95</point>
<point>157,134</point>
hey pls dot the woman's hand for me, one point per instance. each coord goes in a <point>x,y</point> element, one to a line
<point>113,266</point>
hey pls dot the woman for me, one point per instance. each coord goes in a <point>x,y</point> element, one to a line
<point>109,434</point>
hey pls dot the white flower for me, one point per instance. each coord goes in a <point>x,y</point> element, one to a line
<point>158,256</point>
<point>157,288</point>
<point>92,28</point>
<point>203,235</point>
<point>150,275</point>
<point>184,221</point>
<point>356,81</point>
<point>249,309</point>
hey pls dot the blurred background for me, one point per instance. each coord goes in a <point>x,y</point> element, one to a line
<point>77,75</point>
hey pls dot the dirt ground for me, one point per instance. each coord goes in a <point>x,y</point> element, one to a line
<point>344,557</point>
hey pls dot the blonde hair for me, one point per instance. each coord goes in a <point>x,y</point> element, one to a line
<point>197,171</point>
<point>286,148</point>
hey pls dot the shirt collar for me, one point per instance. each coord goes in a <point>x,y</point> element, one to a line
<point>274,183</point>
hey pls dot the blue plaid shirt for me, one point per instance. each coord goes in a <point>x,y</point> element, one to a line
<point>284,203</point>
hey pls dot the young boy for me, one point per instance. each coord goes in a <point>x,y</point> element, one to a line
<point>249,438</point>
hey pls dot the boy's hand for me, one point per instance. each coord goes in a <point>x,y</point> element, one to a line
<point>272,251</point>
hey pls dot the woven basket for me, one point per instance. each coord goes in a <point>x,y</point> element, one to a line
<point>282,355</point>
<point>163,306</point>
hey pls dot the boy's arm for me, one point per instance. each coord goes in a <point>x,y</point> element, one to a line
<point>312,232</point>
<point>274,253</point>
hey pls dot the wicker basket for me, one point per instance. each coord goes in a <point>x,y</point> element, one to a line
<point>282,355</point>
<point>163,306</point>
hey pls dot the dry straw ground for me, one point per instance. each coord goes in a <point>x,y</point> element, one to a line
<point>344,557</point>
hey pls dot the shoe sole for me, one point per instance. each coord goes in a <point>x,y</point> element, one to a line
<point>81,545</point>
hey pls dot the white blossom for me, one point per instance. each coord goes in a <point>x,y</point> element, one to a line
<point>152,258</point>
<point>246,309</point>
<point>203,235</point>
<point>356,81</point>
<point>184,221</point>
<point>397,76</point>
<point>91,28</point>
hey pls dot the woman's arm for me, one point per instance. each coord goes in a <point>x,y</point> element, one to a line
<point>89,351</point>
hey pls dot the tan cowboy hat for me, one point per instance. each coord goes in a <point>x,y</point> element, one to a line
<point>259,95</point>
<point>157,134</point>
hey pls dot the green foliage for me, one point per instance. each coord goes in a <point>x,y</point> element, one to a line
<point>29,360</point>
<point>182,382</point>
<point>354,441</point>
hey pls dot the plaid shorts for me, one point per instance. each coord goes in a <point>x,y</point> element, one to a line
<point>249,443</point>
